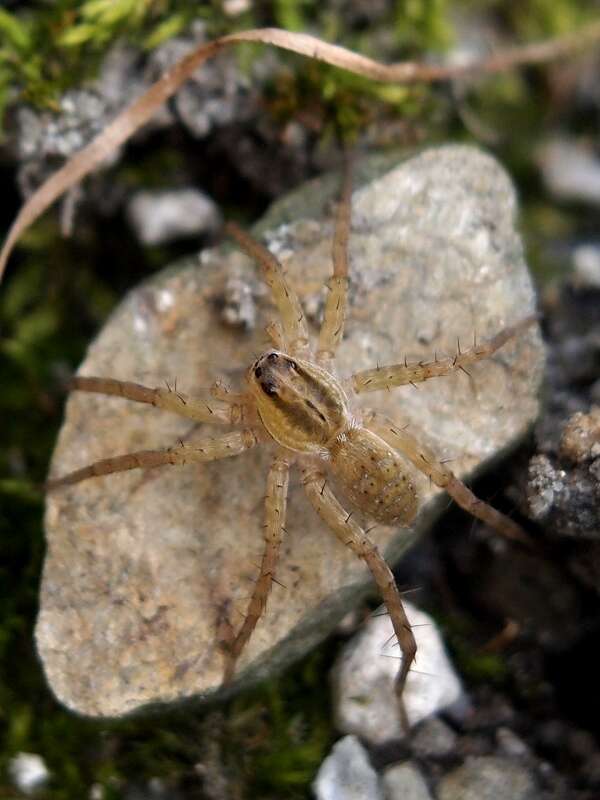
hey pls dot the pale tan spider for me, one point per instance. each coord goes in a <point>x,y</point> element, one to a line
<point>296,401</point>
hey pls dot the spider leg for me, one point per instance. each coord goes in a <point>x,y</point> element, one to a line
<point>218,410</point>
<point>275,510</point>
<point>371,380</point>
<point>230,444</point>
<point>275,333</point>
<point>221,391</point>
<point>295,329</point>
<point>350,533</point>
<point>425,460</point>
<point>332,328</point>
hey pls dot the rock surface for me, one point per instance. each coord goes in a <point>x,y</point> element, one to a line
<point>139,565</point>
<point>404,782</point>
<point>218,94</point>
<point>564,492</point>
<point>347,774</point>
<point>433,739</point>
<point>488,778</point>
<point>363,679</point>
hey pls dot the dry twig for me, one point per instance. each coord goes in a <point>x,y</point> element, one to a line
<point>139,112</point>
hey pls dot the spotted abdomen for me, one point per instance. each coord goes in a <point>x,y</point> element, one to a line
<point>373,476</point>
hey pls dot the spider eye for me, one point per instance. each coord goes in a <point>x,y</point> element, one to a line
<point>272,357</point>
<point>293,365</point>
<point>258,372</point>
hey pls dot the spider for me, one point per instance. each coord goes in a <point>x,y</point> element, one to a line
<point>296,402</point>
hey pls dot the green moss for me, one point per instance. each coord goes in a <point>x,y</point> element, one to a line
<point>471,661</point>
<point>290,723</point>
<point>542,18</point>
<point>294,15</point>
<point>423,25</point>
<point>48,47</point>
<point>267,743</point>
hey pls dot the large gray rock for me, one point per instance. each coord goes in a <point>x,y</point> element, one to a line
<point>140,564</point>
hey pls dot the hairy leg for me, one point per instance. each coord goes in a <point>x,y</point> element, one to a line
<point>219,410</point>
<point>275,333</point>
<point>275,510</point>
<point>230,444</point>
<point>353,536</point>
<point>426,461</point>
<point>371,380</point>
<point>332,328</point>
<point>295,329</point>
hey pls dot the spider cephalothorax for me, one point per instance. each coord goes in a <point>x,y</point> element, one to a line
<point>300,403</point>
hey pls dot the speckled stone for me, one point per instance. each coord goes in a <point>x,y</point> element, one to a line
<point>141,564</point>
<point>347,774</point>
<point>405,782</point>
<point>489,778</point>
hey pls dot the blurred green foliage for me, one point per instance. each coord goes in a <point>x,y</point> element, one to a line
<point>48,47</point>
<point>474,663</point>
<point>267,743</point>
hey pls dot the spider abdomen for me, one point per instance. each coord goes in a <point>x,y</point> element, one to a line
<point>373,476</point>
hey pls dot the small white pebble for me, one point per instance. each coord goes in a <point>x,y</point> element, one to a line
<point>404,782</point>
<point>28,772</point>
<point>234,8</point>
<point>347,774</point>
<point>96,792</point>
<point>364,675</point>
<point>586,263</point>
<point>163,216</point>
<point>570,170</point>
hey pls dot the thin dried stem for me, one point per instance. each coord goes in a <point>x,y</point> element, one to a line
<point>141,110</point>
